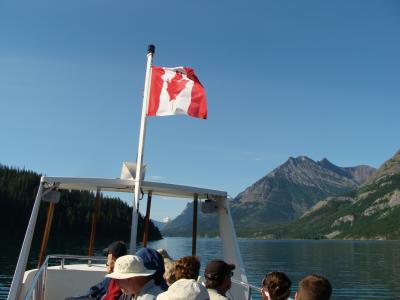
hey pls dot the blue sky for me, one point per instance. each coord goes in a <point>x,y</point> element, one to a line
<point>283,78</point>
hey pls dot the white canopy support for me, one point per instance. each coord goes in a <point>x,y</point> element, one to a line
<point>26,247</point>
<point>231,250</point>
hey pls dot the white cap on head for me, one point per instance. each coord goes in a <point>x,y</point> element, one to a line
<point>128,266</point>
<point>185,289</point>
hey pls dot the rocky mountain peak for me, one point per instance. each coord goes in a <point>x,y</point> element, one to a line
<point>304,171</point>
<point>298,163</point>
<point>298,160</point>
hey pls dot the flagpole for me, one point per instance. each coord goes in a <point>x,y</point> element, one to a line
<point>142,133</point>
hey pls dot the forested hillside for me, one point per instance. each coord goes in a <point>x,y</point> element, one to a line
<point>72,215</point>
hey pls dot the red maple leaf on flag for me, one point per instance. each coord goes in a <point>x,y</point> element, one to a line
<point>175,86</point>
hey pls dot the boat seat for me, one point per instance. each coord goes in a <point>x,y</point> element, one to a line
<point>72,280</point>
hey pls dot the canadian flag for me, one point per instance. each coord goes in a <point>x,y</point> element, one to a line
<point>176,91</point>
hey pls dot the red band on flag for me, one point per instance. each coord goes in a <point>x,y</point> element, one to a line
<point>198,105</point>
<point>155,90</point>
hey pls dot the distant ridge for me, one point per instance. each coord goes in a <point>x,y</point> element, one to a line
<point>359,174</point>
<point>159,224</point>
<point>279,197</point>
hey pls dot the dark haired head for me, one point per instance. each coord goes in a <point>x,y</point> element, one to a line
<point>117,249</point>
<point>277,284</point>
<point>215,273</point>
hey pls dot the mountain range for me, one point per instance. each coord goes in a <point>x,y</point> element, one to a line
<point>281,196</point>
<point>371,211</point>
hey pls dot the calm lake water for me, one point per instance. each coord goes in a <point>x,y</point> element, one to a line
<point>356,269</point>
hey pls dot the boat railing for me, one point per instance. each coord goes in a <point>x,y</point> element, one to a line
<point>250,288</point>
<point>253,290</point>
<point>37,288</point>
<point>89,259</point>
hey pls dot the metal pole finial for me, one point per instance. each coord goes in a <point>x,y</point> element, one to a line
<point>151,49</point>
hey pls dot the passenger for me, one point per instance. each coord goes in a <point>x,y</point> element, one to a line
<point>218,279</point>
<point>153,260</point>
<point>169,266</point>
<point>187,267</point>
<point>113,252</point>
<point>314,287</point>
<point>185,289</point>
<point>276,286</point>
<point>134,279</point>
<point>106,289</point>
<point>169,274</point>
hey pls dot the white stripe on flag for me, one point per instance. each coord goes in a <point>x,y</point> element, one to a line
<point>180,105</point>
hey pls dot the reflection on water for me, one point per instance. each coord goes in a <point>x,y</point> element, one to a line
<point>356,269</point>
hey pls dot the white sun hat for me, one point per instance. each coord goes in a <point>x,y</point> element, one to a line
<point>185,289</point>
<point>128,266</point>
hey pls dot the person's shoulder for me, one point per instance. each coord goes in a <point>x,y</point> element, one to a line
<point>151,295</point>
<point>147,297</point>
<point>162,295</point>
<point>155,289</point>
<point>214,295</point>
<point>150,291</point>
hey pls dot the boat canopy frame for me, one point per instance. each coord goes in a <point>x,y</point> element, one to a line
<point>230,247</point>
